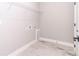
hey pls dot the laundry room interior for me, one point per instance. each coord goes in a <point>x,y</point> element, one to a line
<point>38,28</point>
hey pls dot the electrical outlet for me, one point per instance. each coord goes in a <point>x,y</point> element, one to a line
<point>28,27</point>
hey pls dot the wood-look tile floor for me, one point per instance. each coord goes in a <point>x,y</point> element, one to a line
<point>42,48</point>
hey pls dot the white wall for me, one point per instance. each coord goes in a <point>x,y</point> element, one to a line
<point>15,19</point>
<point>56,20</point>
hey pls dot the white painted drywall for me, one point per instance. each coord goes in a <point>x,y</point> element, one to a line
<point>56,20</point>
<point>15,18</point>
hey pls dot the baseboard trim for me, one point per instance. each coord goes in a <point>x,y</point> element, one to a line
<point>15,53</point>
<point>18,51</point>
<point>57,41</point>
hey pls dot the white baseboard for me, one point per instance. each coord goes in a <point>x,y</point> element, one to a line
<point>57,41</point>
<point>15,53</point>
